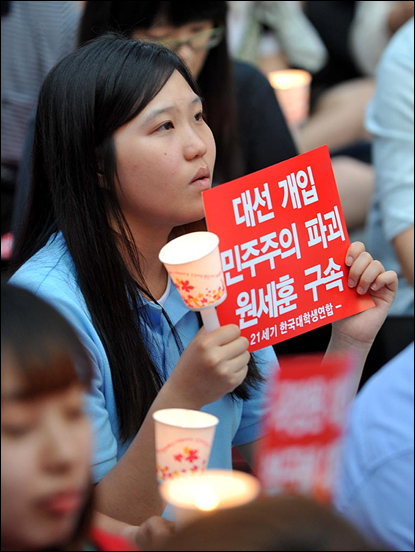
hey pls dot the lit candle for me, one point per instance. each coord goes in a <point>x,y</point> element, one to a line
<point>212,490</point>
<point>183,442</point>
<point>193,262</point>
<point>292,88</point>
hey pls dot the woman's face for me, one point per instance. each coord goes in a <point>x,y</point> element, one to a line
<point>165,159</point>
<point>194,59</point>
<point>45,456</point>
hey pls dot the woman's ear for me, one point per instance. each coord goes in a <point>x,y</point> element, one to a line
<point>100,168</point>
<point>99,162</point>
<point>100,175</point>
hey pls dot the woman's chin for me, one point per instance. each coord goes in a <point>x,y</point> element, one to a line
<point>197,225</point>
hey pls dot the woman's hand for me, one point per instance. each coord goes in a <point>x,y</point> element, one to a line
<point>150,533</point>
<point>366,275</point>
<point>211,366</point>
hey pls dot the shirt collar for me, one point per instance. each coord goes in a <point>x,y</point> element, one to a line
<point>174,306</point>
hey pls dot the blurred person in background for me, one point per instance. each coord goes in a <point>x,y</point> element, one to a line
<point>390,229</point>
<point>372,27</point>
<point>390,120</point>
<point>376,484</point>
<point>355,34</point>
<point>312,36</point>
<point>34,36</point>
<point>340,43</point>
<point>279,35</point>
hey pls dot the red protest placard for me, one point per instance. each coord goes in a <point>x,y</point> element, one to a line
<point>283,242</point>
<point>306,414</point>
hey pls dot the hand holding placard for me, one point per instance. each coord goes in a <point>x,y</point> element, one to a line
<point>283,248</point>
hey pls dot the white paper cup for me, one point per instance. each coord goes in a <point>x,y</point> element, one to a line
<point>183,442</point>
<point>292,88</point>
<point>194,264</point>
<point>210,491</point>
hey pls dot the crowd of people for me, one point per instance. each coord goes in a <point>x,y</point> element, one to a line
<point>109,110</point>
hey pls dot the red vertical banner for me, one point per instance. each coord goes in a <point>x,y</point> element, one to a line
<point>307,407</point>
<point>283,243</point>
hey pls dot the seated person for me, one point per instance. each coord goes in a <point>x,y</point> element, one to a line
<point>115,174</point>
<point>391,121</point>
<point>376,486</point>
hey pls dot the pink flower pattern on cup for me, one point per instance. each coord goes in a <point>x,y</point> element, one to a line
<point>188,458</point>
<point>201,300</point>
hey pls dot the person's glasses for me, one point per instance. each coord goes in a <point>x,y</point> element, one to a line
<point>206,40</point>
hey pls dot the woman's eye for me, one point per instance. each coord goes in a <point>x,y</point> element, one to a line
<point>165,126</point>
<point>17,431</point>
<point>74,414</point>
<point>199,116</point>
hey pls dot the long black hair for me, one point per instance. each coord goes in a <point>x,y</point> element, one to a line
<point>83,101</point>
<point>215,80</point>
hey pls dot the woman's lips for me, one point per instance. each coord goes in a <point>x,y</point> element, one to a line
<point>62,503</point>
<point>202,183</point>
<point>201,174</point>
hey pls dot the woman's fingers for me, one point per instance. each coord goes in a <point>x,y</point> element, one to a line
<point>224,335</point>
<point>369,276</point>
<point>387,279</point>
<point>359,266</point>
<point>355,249</point>
<point>236,348</point>
<point>238,369</point>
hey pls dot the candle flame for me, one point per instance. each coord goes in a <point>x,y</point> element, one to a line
<point>288,79</point>
<point>205,498</point>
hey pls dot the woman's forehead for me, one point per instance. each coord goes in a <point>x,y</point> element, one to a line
<point>12,383</point>
<point>30,383</point>
<point>175,93</point>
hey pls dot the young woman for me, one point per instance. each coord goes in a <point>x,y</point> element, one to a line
<point>46,494</point>
<point>122,154</point>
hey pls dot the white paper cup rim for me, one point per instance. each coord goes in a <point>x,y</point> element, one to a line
<point>171,417</point>
<point>189,248</point>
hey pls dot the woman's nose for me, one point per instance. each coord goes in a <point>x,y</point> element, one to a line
<point>195,146</point>
<point>60,451</point>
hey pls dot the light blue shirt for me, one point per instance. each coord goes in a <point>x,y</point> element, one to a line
<point>390,118</point>
<point>376,487</point>
<point>51,274</point>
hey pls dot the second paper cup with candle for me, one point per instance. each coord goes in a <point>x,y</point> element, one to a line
<point>211,491</point>
<point>184,440</point>
<point>194,264</point>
